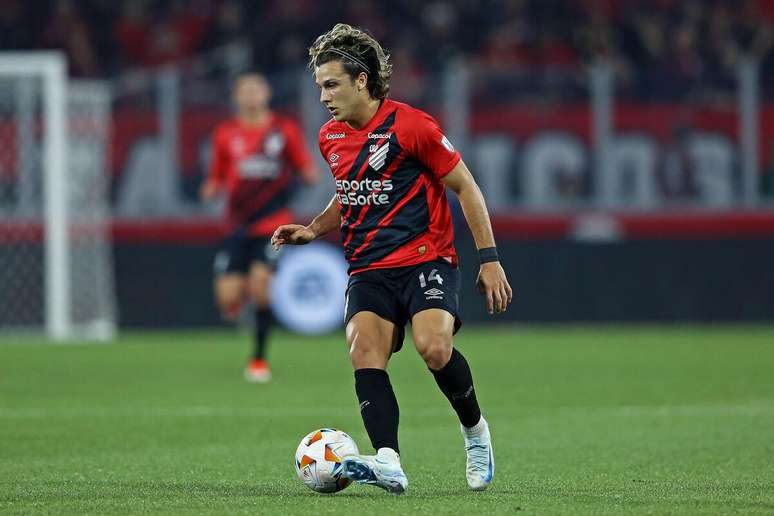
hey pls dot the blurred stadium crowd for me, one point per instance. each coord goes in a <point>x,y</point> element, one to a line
<point>676,49</point>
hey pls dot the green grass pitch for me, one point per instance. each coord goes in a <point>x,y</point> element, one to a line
<point>585,420</point>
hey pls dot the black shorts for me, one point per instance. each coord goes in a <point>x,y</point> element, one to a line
<point>237,252</point>
<point>398,293</point>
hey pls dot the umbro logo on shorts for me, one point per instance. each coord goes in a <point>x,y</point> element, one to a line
<point>434,293</point>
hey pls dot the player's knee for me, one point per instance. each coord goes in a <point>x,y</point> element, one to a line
<point>364,352</point>
<point>435,348</point>
<point>259,293</point>
<point>258,286</point>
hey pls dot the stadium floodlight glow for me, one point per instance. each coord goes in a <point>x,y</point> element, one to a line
<point>66,160</point>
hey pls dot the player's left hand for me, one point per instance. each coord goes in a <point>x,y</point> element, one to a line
<point>493,284</point>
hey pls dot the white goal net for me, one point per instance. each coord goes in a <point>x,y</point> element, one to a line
<point>56,269</point>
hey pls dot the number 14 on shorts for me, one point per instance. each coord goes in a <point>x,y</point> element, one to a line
<point>433,276</point>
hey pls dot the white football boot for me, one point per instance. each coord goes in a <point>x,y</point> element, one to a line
<point>380,470</point>
<point>478,446</point>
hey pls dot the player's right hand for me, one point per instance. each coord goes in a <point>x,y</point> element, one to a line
<point>291,234</point>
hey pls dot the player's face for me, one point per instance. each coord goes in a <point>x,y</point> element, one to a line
<point>251,93</point>
<point>338,92</point>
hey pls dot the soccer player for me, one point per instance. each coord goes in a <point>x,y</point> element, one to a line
<point>392,164</point>
<point>256,159</point>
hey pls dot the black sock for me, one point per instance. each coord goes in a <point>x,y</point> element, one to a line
<point>456,383</point>
<point>378,407</point>
<point>263,320</point>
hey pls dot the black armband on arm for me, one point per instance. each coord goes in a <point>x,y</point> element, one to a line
<point>488,254</point>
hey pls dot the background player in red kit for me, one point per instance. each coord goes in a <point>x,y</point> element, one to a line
<point>257,157</point>
<point>392,164</point>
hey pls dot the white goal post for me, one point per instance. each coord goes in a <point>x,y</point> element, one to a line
<point>55,253</point>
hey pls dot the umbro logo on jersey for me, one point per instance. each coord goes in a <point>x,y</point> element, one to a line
<point>434,293</point>
<point>334,136</point>
<point>333,158</point>
<point>376,160</point>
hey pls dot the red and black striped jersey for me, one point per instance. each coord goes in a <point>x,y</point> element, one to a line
<point>394,211</point>
<point>258,166</point>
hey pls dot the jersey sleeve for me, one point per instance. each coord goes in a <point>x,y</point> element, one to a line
<point>219,161</point>
<point>431,147</point>
<point>296,150</point>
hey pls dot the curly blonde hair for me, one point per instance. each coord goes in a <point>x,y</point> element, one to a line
<point>358,52</point>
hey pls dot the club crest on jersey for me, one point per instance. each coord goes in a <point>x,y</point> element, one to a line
<point>274,144</point>
<point>376,160</point>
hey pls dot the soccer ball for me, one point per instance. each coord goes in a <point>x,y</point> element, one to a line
<point>318,459</point>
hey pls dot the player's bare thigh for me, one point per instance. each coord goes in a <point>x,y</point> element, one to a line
<point>370,339</point>
<point>229,293</point>
<point>432,330</point>
<point>259,282</point>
